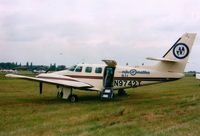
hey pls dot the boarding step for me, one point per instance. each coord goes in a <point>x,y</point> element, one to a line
<point>107,93</point>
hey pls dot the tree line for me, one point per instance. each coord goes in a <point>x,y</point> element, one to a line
<point>30,67</point>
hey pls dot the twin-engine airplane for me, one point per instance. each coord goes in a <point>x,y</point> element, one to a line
<point>110,76</point>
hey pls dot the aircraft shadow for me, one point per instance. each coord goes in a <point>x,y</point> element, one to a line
<point>55,100</point>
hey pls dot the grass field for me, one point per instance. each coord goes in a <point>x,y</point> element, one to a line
<point>167,109</point>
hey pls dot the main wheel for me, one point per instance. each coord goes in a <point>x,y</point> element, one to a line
<point>73,98</point>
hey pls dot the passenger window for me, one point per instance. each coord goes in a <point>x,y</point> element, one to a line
<point>88,69</point>
<point>79,69</point>
<point>98,70</point>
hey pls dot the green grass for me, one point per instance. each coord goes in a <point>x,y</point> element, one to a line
<point>167,109</point>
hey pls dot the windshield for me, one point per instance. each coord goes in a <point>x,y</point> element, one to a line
<point>72,68</point>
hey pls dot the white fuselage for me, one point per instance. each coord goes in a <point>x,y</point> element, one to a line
<point>124,76</point>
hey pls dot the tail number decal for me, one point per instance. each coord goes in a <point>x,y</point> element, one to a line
<point>126,83</point>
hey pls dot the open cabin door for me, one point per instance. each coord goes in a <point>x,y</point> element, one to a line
<point>108,79</point>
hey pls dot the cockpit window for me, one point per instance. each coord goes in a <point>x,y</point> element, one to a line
<point>72,68</point>
<point>88,69</point>
<point>78,69</point>
<point>98,70</point>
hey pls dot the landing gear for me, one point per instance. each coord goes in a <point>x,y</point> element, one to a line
<point>66,93</point>
<point>73,98</point>
<point>60,94</point>
<point>122,92</point>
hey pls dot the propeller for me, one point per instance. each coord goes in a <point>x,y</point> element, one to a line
<point>47,70</point>
<point>40,88</point>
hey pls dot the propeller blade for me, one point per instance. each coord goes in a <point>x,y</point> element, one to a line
<point>40,87</point>
<point>47,70</point>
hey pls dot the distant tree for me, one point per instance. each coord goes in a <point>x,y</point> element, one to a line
<point>27,64</point>
<point>31,66</point>
<point>22,68</point>
<point>60,67</point>
<point>52,67</point>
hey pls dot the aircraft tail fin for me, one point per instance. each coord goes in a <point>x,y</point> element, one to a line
<point>176,58</point>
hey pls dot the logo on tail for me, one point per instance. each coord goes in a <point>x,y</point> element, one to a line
<point>180,51</point>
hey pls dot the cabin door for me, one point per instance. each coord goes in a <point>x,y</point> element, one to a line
<point>108,77</point>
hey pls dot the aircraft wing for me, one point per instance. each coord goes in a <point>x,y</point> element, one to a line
<point>54,79</point>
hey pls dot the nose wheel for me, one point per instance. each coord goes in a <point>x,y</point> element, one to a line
<point>60,94</point>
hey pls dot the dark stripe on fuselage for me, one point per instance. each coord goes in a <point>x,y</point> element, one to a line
<point>146,78</point>
<point>88,77</point>
<point>128,78</point>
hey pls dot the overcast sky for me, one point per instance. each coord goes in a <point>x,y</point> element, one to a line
<point>73,31</point>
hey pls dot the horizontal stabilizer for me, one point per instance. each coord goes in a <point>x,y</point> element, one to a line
<point>162,59</point>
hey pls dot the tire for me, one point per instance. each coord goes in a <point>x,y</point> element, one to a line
<point>73,98</point>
